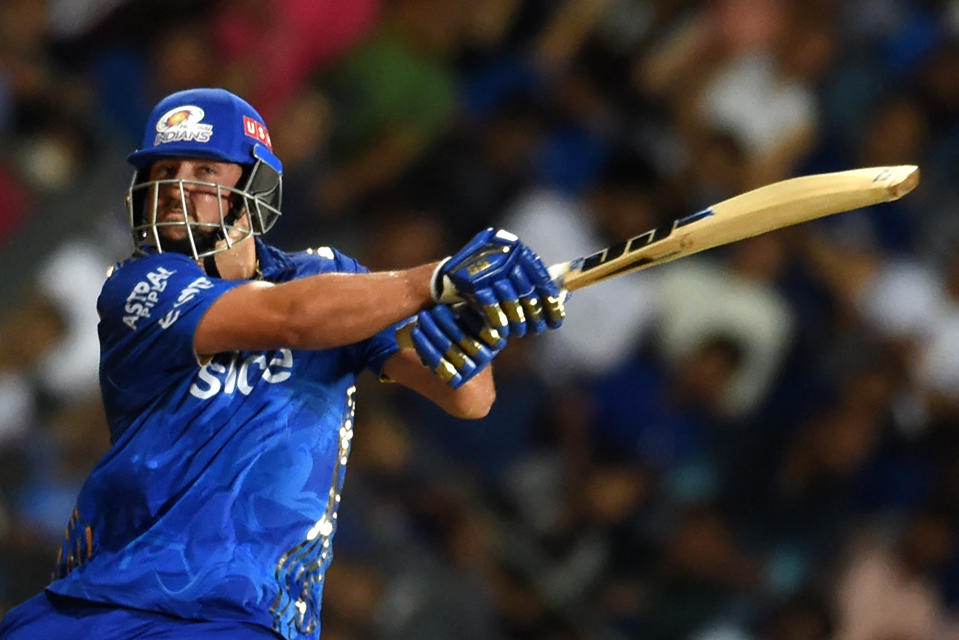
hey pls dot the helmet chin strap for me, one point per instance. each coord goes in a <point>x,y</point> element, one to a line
<point>209,265</point>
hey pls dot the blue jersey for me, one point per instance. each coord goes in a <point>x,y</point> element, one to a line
<point>218,497</point>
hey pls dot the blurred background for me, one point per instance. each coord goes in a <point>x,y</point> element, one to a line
<point>757,443</point>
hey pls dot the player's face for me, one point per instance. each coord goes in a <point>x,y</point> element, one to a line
<point>203,203</point>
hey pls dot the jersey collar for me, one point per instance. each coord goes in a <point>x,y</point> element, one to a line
<point>275,265</point>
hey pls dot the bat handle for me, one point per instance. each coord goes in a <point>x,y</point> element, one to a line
<point>558,273</point>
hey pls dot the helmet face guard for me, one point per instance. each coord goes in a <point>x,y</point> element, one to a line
<point>200,239</point>
<point>217,125</point>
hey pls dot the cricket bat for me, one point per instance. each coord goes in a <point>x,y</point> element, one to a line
<point>774,206</point>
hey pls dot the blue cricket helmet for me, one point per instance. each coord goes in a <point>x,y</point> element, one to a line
<point>216,124</point>
<point>205,123</point>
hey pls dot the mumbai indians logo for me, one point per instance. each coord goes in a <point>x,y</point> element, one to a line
<point>183,124</point>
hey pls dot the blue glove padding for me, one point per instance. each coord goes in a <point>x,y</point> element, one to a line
<point>505,281</point>
<point>488,256</point>
<point>542,300</point>
<point>449,346</point>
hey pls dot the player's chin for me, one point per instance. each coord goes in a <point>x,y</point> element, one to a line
<point>174,232</point>
<point>176,238</point>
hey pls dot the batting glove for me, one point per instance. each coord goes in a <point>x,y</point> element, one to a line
<point>505,281</point>
<point>449,344</point>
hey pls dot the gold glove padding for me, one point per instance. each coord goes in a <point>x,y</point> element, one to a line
<point>445,371</point>
<point>514,312</point>
<point>495,315</point>
<point>456,357</point>
<point>534,310</point>
<point>556,307</point>
<point>471,346</point>
<point>490,336</point>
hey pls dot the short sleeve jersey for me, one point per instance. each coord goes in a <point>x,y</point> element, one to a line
<point>218,497</point>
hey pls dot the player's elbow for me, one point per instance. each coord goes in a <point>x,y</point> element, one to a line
<point>287,325</point>
<point>475,412</point>
<point>297,334</point>
<point>472,403</point>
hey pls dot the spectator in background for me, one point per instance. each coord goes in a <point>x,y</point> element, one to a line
<point>481,166</point>
<point>737,297</point>
<point>749,69</point>
<point>622,197</point>
<point>391,96</point>
<point>272,48</point>
<point>14,204</point>
<point>888,587</point>
<point>27,333</point>
<point>668,415</point>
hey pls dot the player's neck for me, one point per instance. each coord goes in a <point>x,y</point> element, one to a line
<point>238,262</point>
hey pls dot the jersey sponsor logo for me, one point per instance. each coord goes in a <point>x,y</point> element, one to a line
<point>144,296</point>
<point>231,374</point>
<point>255,130</point>
<point>183,124</point>
<point>188,293</point>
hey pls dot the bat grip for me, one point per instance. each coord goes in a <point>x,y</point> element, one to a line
<point>558,273</point>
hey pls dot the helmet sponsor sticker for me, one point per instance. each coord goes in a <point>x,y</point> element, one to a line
<point>183,124</point>
<point>257,131</point>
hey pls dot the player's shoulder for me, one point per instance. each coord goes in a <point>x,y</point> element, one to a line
<point>139,274</point>
<point>153,267</point>
<point>324,259</point>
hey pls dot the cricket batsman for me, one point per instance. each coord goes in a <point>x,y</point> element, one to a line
<point>227,371</point>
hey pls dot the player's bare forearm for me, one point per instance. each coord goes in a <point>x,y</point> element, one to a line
<point>318,312</point>
<point>471,401</point>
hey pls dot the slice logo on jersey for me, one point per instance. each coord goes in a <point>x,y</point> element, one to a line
<point>229,372</point>
<point>255,130</point>
<point>183,124</point>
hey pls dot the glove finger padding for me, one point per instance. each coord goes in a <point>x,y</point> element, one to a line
<point>487,304</point>
<point>529,301</point>
<point>445,344</point>
<point>550,297</point>
<point>476,326</point>
<point>432,346</point>
<point>509,302</point>
<point>459,329</point>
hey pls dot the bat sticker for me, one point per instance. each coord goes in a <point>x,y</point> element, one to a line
<point>642,240</point>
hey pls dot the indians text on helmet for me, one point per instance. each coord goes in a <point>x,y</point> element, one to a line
<point>183,123</point>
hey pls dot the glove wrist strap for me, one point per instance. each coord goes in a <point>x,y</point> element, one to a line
<point>441,287</point>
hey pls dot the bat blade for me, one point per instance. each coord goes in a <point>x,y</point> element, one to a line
<point>774,206</point>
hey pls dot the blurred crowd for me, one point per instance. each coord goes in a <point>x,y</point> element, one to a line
<point>756,443</point>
